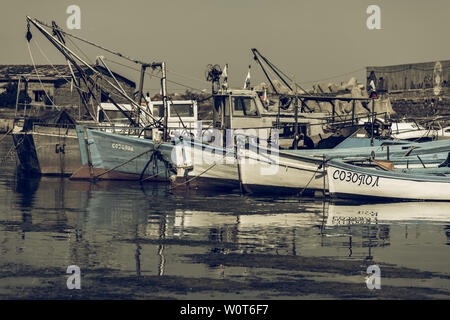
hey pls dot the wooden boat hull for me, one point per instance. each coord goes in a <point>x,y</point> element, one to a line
<point>57,151</point>
<point>349,181</point>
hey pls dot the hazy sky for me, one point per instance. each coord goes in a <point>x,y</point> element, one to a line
<point>311,39</point>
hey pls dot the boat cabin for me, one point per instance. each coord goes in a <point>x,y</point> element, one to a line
<point>180,113</point>
<point>245,109</point>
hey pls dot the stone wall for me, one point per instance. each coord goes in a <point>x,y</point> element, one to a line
<point>420,103</point>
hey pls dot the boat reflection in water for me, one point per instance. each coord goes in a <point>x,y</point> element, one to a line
<point>366,226</point>
<point>122,229</point>
<point>378,213</point>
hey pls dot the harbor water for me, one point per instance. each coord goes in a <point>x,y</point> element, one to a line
<point>145,241</point>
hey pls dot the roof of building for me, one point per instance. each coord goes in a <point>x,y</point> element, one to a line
<point>52,71</point>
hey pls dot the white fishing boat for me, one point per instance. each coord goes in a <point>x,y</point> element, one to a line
<point>289,122</point>
<point>263,171</point>
<point>299,171</point>
<point>212,168</point>
<point>412,131</point>
<point>352,181</point>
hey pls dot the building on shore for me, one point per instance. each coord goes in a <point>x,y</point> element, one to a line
<point>52,85</point>
<point>416,89</point>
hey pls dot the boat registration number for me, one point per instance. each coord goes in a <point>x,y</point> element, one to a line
<point>356,178</point>
<point>120,146</point>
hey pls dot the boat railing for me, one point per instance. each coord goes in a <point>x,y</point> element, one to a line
<point>122,130</point>
<point>53,125</point>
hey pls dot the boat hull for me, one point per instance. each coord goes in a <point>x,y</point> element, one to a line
<point>119,157</point>
<point>291,172</point>
<point>213,168</point>
<point>348,181</point>
<point>281,173</point>
<point>48,150</point>
<point>26,153</point>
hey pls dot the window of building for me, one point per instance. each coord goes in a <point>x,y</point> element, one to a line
<point>39,96</point>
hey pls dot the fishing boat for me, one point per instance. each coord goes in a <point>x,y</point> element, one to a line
<point>47,145</point>
<point>349,180</point>
<point>53,147</point>
<point>243,112</point>
<point>303,171</point>
<point>110,156</point>
<point>238,113</point>
<point>412,131</point>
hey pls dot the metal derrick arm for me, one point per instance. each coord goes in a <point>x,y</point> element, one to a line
<point>73,58</point>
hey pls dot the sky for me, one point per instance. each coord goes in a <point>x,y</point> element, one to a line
<point>310,40</point>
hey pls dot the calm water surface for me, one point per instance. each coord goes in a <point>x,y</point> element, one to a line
<point>135,241</point>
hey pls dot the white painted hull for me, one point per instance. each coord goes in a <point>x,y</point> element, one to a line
<point>289,173</point>
<point>351,181</point>
<point>414,134</point>
<point>280,173</point>
<point>212,168</point>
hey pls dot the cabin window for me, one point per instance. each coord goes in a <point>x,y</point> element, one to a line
<point>113,115</point>
<point>182,110</point>
<point>158,110</point>
<point>219,105</point>
<point>39,95</point>
<point>244,106</point>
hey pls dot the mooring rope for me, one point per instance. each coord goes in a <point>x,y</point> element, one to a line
<point>322,165</point>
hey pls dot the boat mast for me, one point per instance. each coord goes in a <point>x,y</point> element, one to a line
<point>164,97</point>
<point>144,66</point>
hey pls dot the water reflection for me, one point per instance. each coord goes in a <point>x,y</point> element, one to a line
<point>94,218</point>
<point>372,223</point>
<point>377,213</point>
<point>149,230</point>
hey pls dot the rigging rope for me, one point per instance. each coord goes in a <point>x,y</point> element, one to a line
<point>72,82</point>
<point>91,43</point>
<point>171,81</point>
<point>37,74</point>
